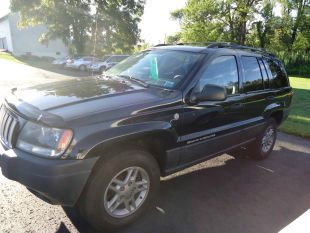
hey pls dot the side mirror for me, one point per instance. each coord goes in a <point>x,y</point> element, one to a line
<point>209,93</point>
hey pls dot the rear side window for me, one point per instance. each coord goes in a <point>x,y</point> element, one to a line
<point>222,71</point>
<point>276,73</point>
<point>252,75</point>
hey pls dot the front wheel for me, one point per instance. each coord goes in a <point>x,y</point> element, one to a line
<point>102,69</point>
<point>120,190</point>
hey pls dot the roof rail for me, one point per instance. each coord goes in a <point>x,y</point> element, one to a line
<point>158,45</point>
<point>230,45</point>
<point>194,43</point>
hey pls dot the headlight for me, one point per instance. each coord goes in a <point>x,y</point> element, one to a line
<point>44,141</point>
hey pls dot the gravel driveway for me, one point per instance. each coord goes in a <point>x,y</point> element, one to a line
<point>221,195</point>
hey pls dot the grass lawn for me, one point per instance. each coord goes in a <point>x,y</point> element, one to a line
<point>9,57</point>
<point>35,61</point>
<point>298,121</point>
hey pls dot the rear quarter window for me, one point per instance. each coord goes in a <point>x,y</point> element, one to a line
<point>276,73</point>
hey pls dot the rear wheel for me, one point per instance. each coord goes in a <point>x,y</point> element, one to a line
<point>263,145</point>
<point>121,188</point>
<point>265,142</point>
<point>82,68</point>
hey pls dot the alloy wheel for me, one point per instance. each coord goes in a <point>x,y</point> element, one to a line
<point>126,192</point>
<point>268,139</point>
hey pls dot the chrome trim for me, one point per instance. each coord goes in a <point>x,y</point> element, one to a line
<point>8,124</point>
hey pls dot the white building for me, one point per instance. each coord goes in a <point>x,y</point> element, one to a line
<point>25,41</point>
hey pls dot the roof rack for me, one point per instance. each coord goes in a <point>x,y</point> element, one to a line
<point>159,45</point>
<point>230,45</point>
<point>227,45</point>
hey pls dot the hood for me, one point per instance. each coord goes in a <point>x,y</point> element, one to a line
<point>59,94</point>
<point>62,103</point>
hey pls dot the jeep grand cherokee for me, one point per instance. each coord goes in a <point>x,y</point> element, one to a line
<point>101,144</point>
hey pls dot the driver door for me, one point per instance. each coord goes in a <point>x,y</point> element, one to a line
<point>210,127</point>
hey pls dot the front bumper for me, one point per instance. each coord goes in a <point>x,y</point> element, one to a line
<point>58,182</point>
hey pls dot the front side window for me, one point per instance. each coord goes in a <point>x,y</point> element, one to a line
<point>252,75</point>
<point>164,68</point>
<point>222,71</point>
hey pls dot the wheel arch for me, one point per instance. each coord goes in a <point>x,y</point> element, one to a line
<point>278,116</point>
<point>275,111</point>
<point>82,65</point>
<point>155,142</point>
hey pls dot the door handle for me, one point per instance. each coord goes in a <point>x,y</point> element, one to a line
<point>270,97</point>
<point>237,106</point>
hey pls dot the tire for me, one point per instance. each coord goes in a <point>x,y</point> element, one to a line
<point>95,203</point>
<point>82,68</point>
<point>102,69</point>
<point>265,142</point>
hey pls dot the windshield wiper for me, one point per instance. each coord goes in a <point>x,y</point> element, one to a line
<point>139,81</point>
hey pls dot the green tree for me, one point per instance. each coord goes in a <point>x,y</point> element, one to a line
<point>118,24</point>
<point>111,25</point>
<point>212,20</point>
<point>172,39</point>
<point>264,27</point>
<point>294,18</point>
<point>67,20</point>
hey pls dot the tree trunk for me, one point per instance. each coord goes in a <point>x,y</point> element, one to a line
<point>300,11</point>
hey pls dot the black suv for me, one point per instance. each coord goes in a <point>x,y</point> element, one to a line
<point>100,144</point>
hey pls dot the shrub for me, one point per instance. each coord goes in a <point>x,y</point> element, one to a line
<point>296,63</point>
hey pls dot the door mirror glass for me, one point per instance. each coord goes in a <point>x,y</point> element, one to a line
<point>210,92</point>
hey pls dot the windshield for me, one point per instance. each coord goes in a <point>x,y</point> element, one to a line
<point>162,68</point>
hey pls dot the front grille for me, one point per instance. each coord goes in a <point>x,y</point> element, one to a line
<point>8,125</point>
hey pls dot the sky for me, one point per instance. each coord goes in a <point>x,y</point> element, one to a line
<point>155,23</point>
<point>4,7</point>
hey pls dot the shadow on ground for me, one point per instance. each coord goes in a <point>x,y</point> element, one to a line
<point>239,196</point>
